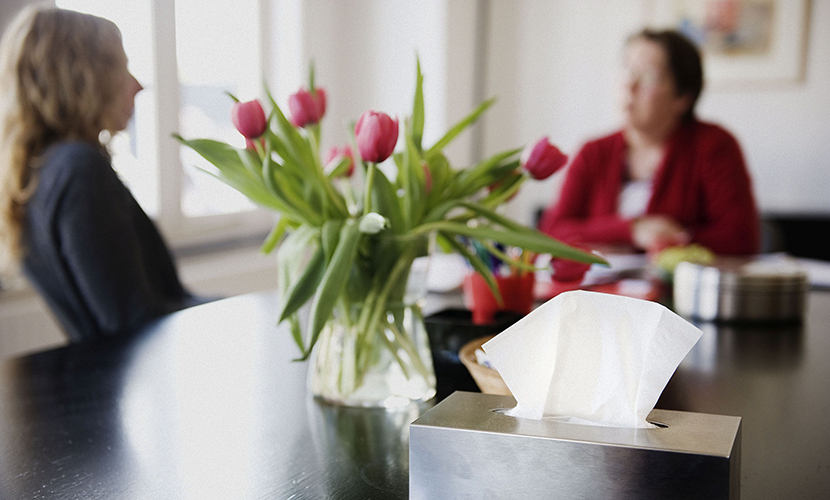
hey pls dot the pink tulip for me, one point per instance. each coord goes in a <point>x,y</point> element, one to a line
<point>249,118</point>
<point>307,108</point>
<point>376,135</point>
<point>544,160</point>
<point>344,151</point>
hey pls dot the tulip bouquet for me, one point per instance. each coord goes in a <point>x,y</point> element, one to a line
<point>349,231</point>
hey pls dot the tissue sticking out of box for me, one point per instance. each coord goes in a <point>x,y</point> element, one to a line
<point>590,357</point>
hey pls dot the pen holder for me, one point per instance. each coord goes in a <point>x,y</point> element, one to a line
<point>516,292</point>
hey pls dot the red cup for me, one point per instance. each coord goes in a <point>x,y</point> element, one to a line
<point>516,293</point>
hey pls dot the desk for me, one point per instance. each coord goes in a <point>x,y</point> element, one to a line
<point>206,403</point>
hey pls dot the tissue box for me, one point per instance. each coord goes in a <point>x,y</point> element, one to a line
<point>465,447</point>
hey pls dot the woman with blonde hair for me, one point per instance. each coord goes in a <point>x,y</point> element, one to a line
<point>82,239</point>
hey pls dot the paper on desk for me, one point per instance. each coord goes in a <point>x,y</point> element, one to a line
<point>592,358</point>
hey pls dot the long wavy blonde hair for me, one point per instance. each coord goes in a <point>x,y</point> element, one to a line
<point>56,82</point>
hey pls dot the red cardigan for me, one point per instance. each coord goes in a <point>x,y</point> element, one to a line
<point>702,183</point>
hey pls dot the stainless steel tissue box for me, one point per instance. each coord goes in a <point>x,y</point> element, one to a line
<point>466,447</point>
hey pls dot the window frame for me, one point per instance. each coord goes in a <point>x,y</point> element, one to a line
<point>180,230</point>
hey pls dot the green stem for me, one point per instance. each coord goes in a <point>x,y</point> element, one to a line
<point>406,344</point>
<point>367,193</point>
<point>394,350</point>
<point>348,194</point>
<point>379,306</point>
<point>329,194</point>
<point>497,200</point>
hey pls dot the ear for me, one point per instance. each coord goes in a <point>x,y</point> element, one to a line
<point>682,103</point>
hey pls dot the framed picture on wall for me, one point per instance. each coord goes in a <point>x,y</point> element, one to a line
<point>742,41</point>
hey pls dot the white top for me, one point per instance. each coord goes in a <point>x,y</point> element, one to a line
<point>634,199</point>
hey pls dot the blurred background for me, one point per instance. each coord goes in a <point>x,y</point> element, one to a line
<point>552,64</point>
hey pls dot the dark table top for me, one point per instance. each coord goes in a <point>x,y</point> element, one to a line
<point>206,403</point>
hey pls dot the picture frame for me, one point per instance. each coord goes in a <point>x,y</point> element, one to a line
<point>743,42</point>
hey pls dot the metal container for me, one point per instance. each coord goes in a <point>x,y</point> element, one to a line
<point>466,447</point>
<point>741,290</point>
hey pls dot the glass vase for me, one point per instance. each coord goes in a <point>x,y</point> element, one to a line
<point>373,353</point>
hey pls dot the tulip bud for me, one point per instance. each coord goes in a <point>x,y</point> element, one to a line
<point>307,108</point>
<point>249,118</point>
<point>341,152</point>
<point>372,223</point>
<point>544,159</point>
<point>376,135</point>
<point>427,177</point>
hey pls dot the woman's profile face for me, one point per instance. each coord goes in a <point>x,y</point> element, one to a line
<point>118,115</point>
<point>649,99</point>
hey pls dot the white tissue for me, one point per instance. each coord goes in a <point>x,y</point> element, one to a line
<point>591,357</point>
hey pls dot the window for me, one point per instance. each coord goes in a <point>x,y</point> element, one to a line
<point>187,54</point>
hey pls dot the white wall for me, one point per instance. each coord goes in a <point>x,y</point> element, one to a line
<point>552,63</point>
<point>784,129</point>
<point>552,66</point>
<point>364,53</point>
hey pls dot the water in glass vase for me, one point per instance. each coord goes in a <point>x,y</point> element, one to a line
<point>376,354</point>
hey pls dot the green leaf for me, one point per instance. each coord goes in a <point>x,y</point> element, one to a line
<point>442,174</point>
<point>256,192</point>
<point>278,146</point>
<point>304,287</point>
<point>296,148</point>
<point>418,108</point>
<point>218,153</point>
<point>459,127</point>
<point>533,240</point>
<point>512,262</point>
<point>274,236</point>
<point>505,189</point>
<point>311,87</point>
<point>413,181</point>
<point>340,168</point>
<point>232,171</point>
<point>495,217</point>
<point>439,211</point>
<point>332,283</point>
<point>293,249</point>
<point>479,265</point>
<point>485,173</point>
<point>386,202</point>
<point>296,331</point>
<point>251,162</point>
<point>293,204</point>
<point>330,236</point>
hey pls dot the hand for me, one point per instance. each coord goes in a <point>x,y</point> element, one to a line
<point>655,232</point>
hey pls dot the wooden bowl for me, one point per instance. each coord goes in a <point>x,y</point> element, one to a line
<point>487,379</point>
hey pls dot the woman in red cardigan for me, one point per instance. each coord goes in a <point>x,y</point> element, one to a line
<point>666,178</point>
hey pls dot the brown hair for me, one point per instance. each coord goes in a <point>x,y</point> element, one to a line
<point>56,69</point>
<point>684,63</point>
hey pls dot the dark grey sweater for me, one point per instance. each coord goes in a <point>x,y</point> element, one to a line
<point>92,252</point>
